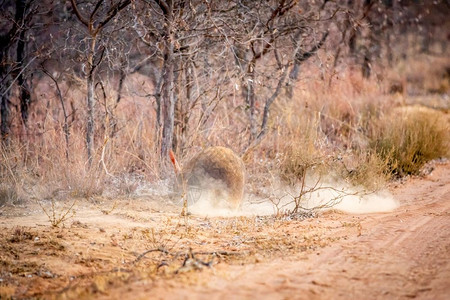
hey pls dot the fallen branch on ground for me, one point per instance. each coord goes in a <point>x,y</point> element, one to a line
<point>190,261</point>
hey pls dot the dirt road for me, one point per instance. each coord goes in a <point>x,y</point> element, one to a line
<point>402,254</point>
<point>396,255</point>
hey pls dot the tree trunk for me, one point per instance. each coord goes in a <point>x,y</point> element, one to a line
<point>251,99</point>
<point>167,88</point>
<point>299,58</point>
<point>94,28</point>
<point>4,108</point>
<point>6,80</point>
<point>248,85</point>
<point>189,100</point>
<point>122,76</point>
<point>158,93</point>
<point>4,91</point>
<point>167,100</point>
<point>366,66</point>
<point>269,102</point>
<point>90,103</point>
<point>179,107</point>
<point>25,96</point>
<point>113,120</point>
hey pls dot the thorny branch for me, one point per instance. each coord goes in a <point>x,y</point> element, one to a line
<point>190,260</point>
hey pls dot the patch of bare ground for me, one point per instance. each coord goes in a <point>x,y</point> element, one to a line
<point>137,249</point>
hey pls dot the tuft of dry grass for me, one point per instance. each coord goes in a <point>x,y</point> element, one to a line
<point>8,195</point>
<point>409,137</point>
<point>298,142</point>
<point>297,159</point>
<point>364,169</point>
<point>11,181</point>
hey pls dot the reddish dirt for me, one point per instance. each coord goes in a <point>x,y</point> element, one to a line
<point>401,254</point>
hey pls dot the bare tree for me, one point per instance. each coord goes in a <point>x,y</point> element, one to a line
<point>173,31</point>
<point>94,23</point>
<point>10,71</point>
<point>156,29</point>
<point>277,37</point>
<point>24,85</point>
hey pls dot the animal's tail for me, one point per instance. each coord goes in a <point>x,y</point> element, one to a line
<point>174,161</point>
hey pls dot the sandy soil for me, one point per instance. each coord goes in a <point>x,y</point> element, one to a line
<point>140,249</point>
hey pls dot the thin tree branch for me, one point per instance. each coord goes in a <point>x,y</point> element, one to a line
<point>111,14</point>
<point>78,14</point>
<point>97,6</point>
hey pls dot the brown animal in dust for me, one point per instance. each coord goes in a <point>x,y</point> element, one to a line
<point>219,170</point>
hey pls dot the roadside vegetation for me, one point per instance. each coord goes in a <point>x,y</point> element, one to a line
<point>95,111</point>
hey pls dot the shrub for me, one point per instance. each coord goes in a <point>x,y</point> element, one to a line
<point>297,160</point>
<point>11,180</point>
<point>365,169</point>
<point>300,152</point>
<point>409,137</point>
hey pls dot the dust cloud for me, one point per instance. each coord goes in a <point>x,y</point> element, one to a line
<point>352,201</point>
<point>380,202</point>
<point>326,196</point>
<point>207,207</point>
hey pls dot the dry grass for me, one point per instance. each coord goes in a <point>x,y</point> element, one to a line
<point>409,137</point>
<point>422,74</point>
<point>365,169</point>
<point>302,153</point>
<point>171,248</point>
<point>340,129</point>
